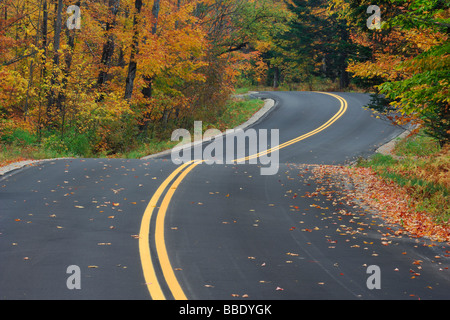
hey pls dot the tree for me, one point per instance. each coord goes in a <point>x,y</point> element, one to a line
<point>109,45</point>
<point>132,65</point>
<point>317,44</point>
<point>411,63</point>
<point>75,92</point>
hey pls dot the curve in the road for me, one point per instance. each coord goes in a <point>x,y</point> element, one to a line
<point>339,114</point>
<point>154,284</point>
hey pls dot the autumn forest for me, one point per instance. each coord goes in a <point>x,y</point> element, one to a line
<point>103,77</point>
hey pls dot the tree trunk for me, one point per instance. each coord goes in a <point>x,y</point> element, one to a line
<point>155,12</point>
<point>108,47</point>
<point>56,45</point>
<point>44,29</point>
<point>30,79</point>
<point>43,60</point>
<point>344,79</point>
<point>132,66</point>
<point>68,60</point>
<point>58,29</point>
<point>276,77</point>
<point>147,90</point>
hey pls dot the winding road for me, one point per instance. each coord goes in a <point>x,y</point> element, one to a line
<point>151,229</point>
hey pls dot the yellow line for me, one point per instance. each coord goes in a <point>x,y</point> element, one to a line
<point>144,246</point>
<point>163,256</point>
<point>339,114</point>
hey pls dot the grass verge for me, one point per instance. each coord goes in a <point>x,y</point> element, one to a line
<point>421,167</point>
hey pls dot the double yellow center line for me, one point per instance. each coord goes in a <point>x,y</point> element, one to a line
<point>151,279</point>
<point>342,110</point>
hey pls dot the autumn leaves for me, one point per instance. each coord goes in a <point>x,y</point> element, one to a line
<point>114,75</point>
<point>391,201</point>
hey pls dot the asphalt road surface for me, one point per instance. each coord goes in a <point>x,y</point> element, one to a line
<point>152,229</point>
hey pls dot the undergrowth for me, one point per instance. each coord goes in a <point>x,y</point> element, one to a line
<point>18,144</point>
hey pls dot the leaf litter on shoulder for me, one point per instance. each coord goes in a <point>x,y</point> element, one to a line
<point>392,202</point>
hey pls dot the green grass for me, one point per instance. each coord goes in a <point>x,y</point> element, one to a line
<point>422,168</point>
<point>16,152</point>
<point>238,112</point>
<point>242,90</point>
<point>149,148</point>
<point>418,145</point>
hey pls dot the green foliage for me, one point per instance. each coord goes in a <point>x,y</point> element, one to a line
<point>317,44</point>
<point>71,144</point>
<point>238,112</point>
<point>409,65</point>
<point>425,93</point>
<point>423,14</point>
<point>18,137</point>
